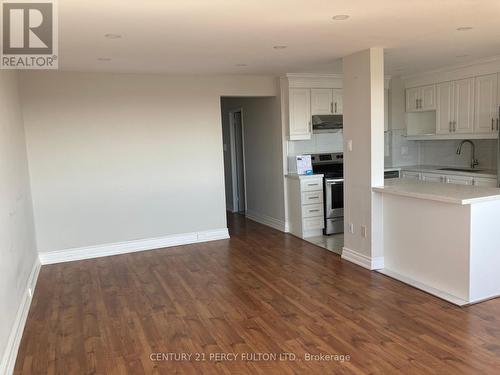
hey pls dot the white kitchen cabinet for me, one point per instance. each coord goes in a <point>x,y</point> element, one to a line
<point>458,180</point>
<point>444,113</point>
<point>464,106</point>
<point>420,99</point>
<point>455,107</point>
<point>337,102</point>
<point>300,127</point>
<point>386,110</point>
<point>432,177</point>
<point>321,101</point>
<point>305,205</point>
<point>485,182</point>
<point>486,104</point>
<point>326,102</point>
<point>410,175</point>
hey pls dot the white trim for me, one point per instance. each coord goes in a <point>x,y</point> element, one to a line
<point>234,168</point>
<point>426,288</point>
<point>318,81</point>
<point>97,251</point>
<point>267,220</point>
<point>362,260</point>
<point>489,65</point>
<point>16,333</point>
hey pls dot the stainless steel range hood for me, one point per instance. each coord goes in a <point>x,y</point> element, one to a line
<point>327,123</point>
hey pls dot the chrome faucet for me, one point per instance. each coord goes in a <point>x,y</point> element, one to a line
<point>474,162</point>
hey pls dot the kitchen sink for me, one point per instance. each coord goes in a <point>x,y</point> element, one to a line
<point>462,170</point>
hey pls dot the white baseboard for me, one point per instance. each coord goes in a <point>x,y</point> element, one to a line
<point>16,333</point>
<point>97,251</point>
<point>362,260</point>
<point>426,288</point>
<point>267,220</point>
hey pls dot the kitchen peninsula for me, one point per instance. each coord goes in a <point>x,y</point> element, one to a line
<point>443,238</point>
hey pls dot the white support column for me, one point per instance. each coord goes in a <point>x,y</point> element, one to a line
<point>364,156</point>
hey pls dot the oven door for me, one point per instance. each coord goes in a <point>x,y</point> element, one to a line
<point>334,198</point>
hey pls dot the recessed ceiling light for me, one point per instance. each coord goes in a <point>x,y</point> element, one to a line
<point>340,17</point>
<point>464,28</point>
<point>241,65</point>
<point>112,36</point>
<point>280,47</point>
<point>104,59</point>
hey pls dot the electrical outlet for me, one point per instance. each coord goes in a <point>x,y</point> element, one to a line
<point>351,228</point>
<point>363,231</point>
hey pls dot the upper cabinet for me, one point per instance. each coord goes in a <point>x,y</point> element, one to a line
<point>455,107</point>
<point>419,99</point>
<point>300,127</point>
<point>326,101</point>
<point>486,104</point>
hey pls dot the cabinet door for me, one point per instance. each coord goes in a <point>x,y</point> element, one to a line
<point>458,180</point>
<point>411,99</point>
<point>432,177</point>
<point>444,114</point>
<point>410,175</point>
<point>485,182</point>
<point>321,101</point>
<point>463,121</point>
<point>337,102</point>
<point>486,104</point>
<point>428,98</point>
<point>300,114</point>
<point>386,110</point>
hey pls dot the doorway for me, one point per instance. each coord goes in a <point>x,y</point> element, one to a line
<point>238,160</point>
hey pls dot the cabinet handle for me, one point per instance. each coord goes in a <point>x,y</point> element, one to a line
<point>492,124</point>
<point>316,197</point>
<point>331,107</point>
<point>312,184</point>
<point>313,210</point>
<point>310,126</point>
<point>416,103</point>
<point>498,124</point>
<point>454,126</point>
<point>335,107</point>
<point>450,127</point>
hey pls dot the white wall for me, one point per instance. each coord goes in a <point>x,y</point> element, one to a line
<point>17,240</point>
<point>117,157</point>
<point>364,165</point>
<point>263,154</point>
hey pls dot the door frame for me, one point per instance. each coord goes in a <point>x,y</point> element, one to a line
<point>234,177</point>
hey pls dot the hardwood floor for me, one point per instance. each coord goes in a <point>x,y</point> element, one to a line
<point>262,291</point>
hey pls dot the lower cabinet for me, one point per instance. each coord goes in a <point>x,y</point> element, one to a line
<point>305,205</point>
<point>450,179</point>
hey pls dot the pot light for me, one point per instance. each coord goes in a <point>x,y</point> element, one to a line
<point>112,36</point>
<point>104,59</point>
<point>280,47</point>
<point>464,28</point>
<point>340,17</point>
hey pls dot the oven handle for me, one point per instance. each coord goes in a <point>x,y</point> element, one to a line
<point>334,181</point>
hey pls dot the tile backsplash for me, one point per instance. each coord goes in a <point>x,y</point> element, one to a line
<point>445,153</point>
<point>322,142</point>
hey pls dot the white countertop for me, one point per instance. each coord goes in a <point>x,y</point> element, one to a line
<point>486,173</point>
<point>303,176</point>
<point>447,193</point>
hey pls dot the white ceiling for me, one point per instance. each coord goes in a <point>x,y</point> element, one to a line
<point>213,36</point>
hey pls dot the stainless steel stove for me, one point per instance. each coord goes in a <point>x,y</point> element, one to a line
<point>332,167</point>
